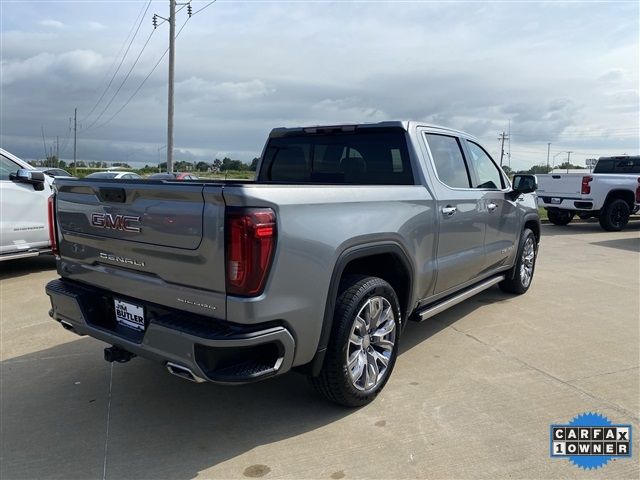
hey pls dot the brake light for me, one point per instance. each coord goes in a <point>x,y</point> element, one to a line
<point>51,216</point>
<point>638,192</point>
<point>250,243</point>
<point>586,188</point>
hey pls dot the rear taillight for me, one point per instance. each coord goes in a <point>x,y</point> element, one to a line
<point>250,243</point>
<point>586,188</point>
<point>53,234</point>
<point>638,192</point>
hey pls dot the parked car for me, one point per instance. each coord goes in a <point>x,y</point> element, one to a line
<point>611,193</point>
<point>114,175</point>
<point>24,225</point>
<point>54,172</point>
<point>349,232</point>
<point>172,176</point>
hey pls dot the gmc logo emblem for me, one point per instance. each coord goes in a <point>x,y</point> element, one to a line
<point>115,222</point>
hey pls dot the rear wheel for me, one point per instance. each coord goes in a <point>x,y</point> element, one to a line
<point>615,215</point>
<point>363,346</point>
<point>519,279</point>
<point>559,217</point>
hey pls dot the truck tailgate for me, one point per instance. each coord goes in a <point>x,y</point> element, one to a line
<point>560,184</point>
<point>161,242</point>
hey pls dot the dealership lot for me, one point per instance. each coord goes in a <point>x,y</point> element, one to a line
<point>472,395</point>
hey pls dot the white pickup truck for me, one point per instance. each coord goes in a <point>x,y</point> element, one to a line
<point>611,193</point>
<point>24,224</point>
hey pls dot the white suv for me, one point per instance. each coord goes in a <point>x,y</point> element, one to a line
<point>24,192</point>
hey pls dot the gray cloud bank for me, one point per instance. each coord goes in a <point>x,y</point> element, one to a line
<point>566,74</point>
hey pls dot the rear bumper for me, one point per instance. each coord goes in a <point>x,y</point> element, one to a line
<point>213,350</point>
<point>563,203</point>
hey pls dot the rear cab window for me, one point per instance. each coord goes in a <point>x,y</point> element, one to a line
<point>360,157</point>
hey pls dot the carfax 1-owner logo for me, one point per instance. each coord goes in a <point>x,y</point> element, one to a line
<point>590,440</point>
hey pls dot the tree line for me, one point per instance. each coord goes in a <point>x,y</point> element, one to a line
<point>224,165</point>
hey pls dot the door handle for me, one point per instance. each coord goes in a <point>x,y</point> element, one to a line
<point>491,207</point>
<point>449,210</point>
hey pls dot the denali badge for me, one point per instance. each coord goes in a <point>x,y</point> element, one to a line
<point>115,222</point>
<point>196,304</point>
<point>125,260</point>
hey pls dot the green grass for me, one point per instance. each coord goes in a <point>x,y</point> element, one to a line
<point>229,175</point>
<point>543,213</point>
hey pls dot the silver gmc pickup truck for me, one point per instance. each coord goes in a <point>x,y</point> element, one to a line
<point>347,233</point>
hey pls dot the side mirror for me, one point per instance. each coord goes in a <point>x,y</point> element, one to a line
<point>32,177</point>
<point>524,184</point>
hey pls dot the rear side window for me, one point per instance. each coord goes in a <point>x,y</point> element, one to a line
<point>449,160</point>
<point>618,165</point>
<point>627,166</point>
<point>360,158</point>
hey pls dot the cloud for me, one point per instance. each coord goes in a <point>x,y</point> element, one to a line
<point>244,68</point>
<point>93,25</point>
<point>51,23</point>
<point>47,67</point>
<point>210,91</point>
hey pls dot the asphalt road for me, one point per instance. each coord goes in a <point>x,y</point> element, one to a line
<point>472,395</point>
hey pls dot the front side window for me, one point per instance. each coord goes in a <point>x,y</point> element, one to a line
<point>488,172</point>
<point>7,167</point>
<point>449,160</point>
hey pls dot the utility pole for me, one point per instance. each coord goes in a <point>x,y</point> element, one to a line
<point>509,147</point>
<point>568,158</point>
<point>503,136</point>
<point>44,144</point>
<point>57,151</point>
<point>172,59</point>
<point>75,141</point>
<point>548,152</point>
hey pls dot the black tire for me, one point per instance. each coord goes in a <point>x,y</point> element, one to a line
<point>560,217</point>
<point>334,380</point>
<point>615,215</point>
<point>515,282</point>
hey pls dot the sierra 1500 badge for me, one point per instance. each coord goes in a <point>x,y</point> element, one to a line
<point>116,222</point>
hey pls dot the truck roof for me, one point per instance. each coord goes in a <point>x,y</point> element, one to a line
<point>346,127</point>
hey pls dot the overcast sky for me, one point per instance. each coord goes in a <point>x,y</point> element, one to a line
<point>565,73</point>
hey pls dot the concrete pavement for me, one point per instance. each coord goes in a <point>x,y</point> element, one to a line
<point>472,395</point>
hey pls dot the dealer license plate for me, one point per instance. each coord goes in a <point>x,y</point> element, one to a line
<point>129,314</point>
<point>556,200</point>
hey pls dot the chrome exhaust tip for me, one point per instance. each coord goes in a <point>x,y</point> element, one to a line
<point>183,372</point>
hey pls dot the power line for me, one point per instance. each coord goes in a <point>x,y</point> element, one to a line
<point>164,20</point>
<point>206,6</point>
<point>122,83</point>
<point>605,133</point>
<point>121,60</point>
<point>143,81</point>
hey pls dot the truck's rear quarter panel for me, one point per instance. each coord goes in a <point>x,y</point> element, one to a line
<point>315,225</point>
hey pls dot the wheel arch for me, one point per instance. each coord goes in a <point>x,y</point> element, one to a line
<point>626,195</point>
<point>532,222</point>
<point>395,268</point>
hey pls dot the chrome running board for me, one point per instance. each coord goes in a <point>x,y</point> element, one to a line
<point>438,307</point>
